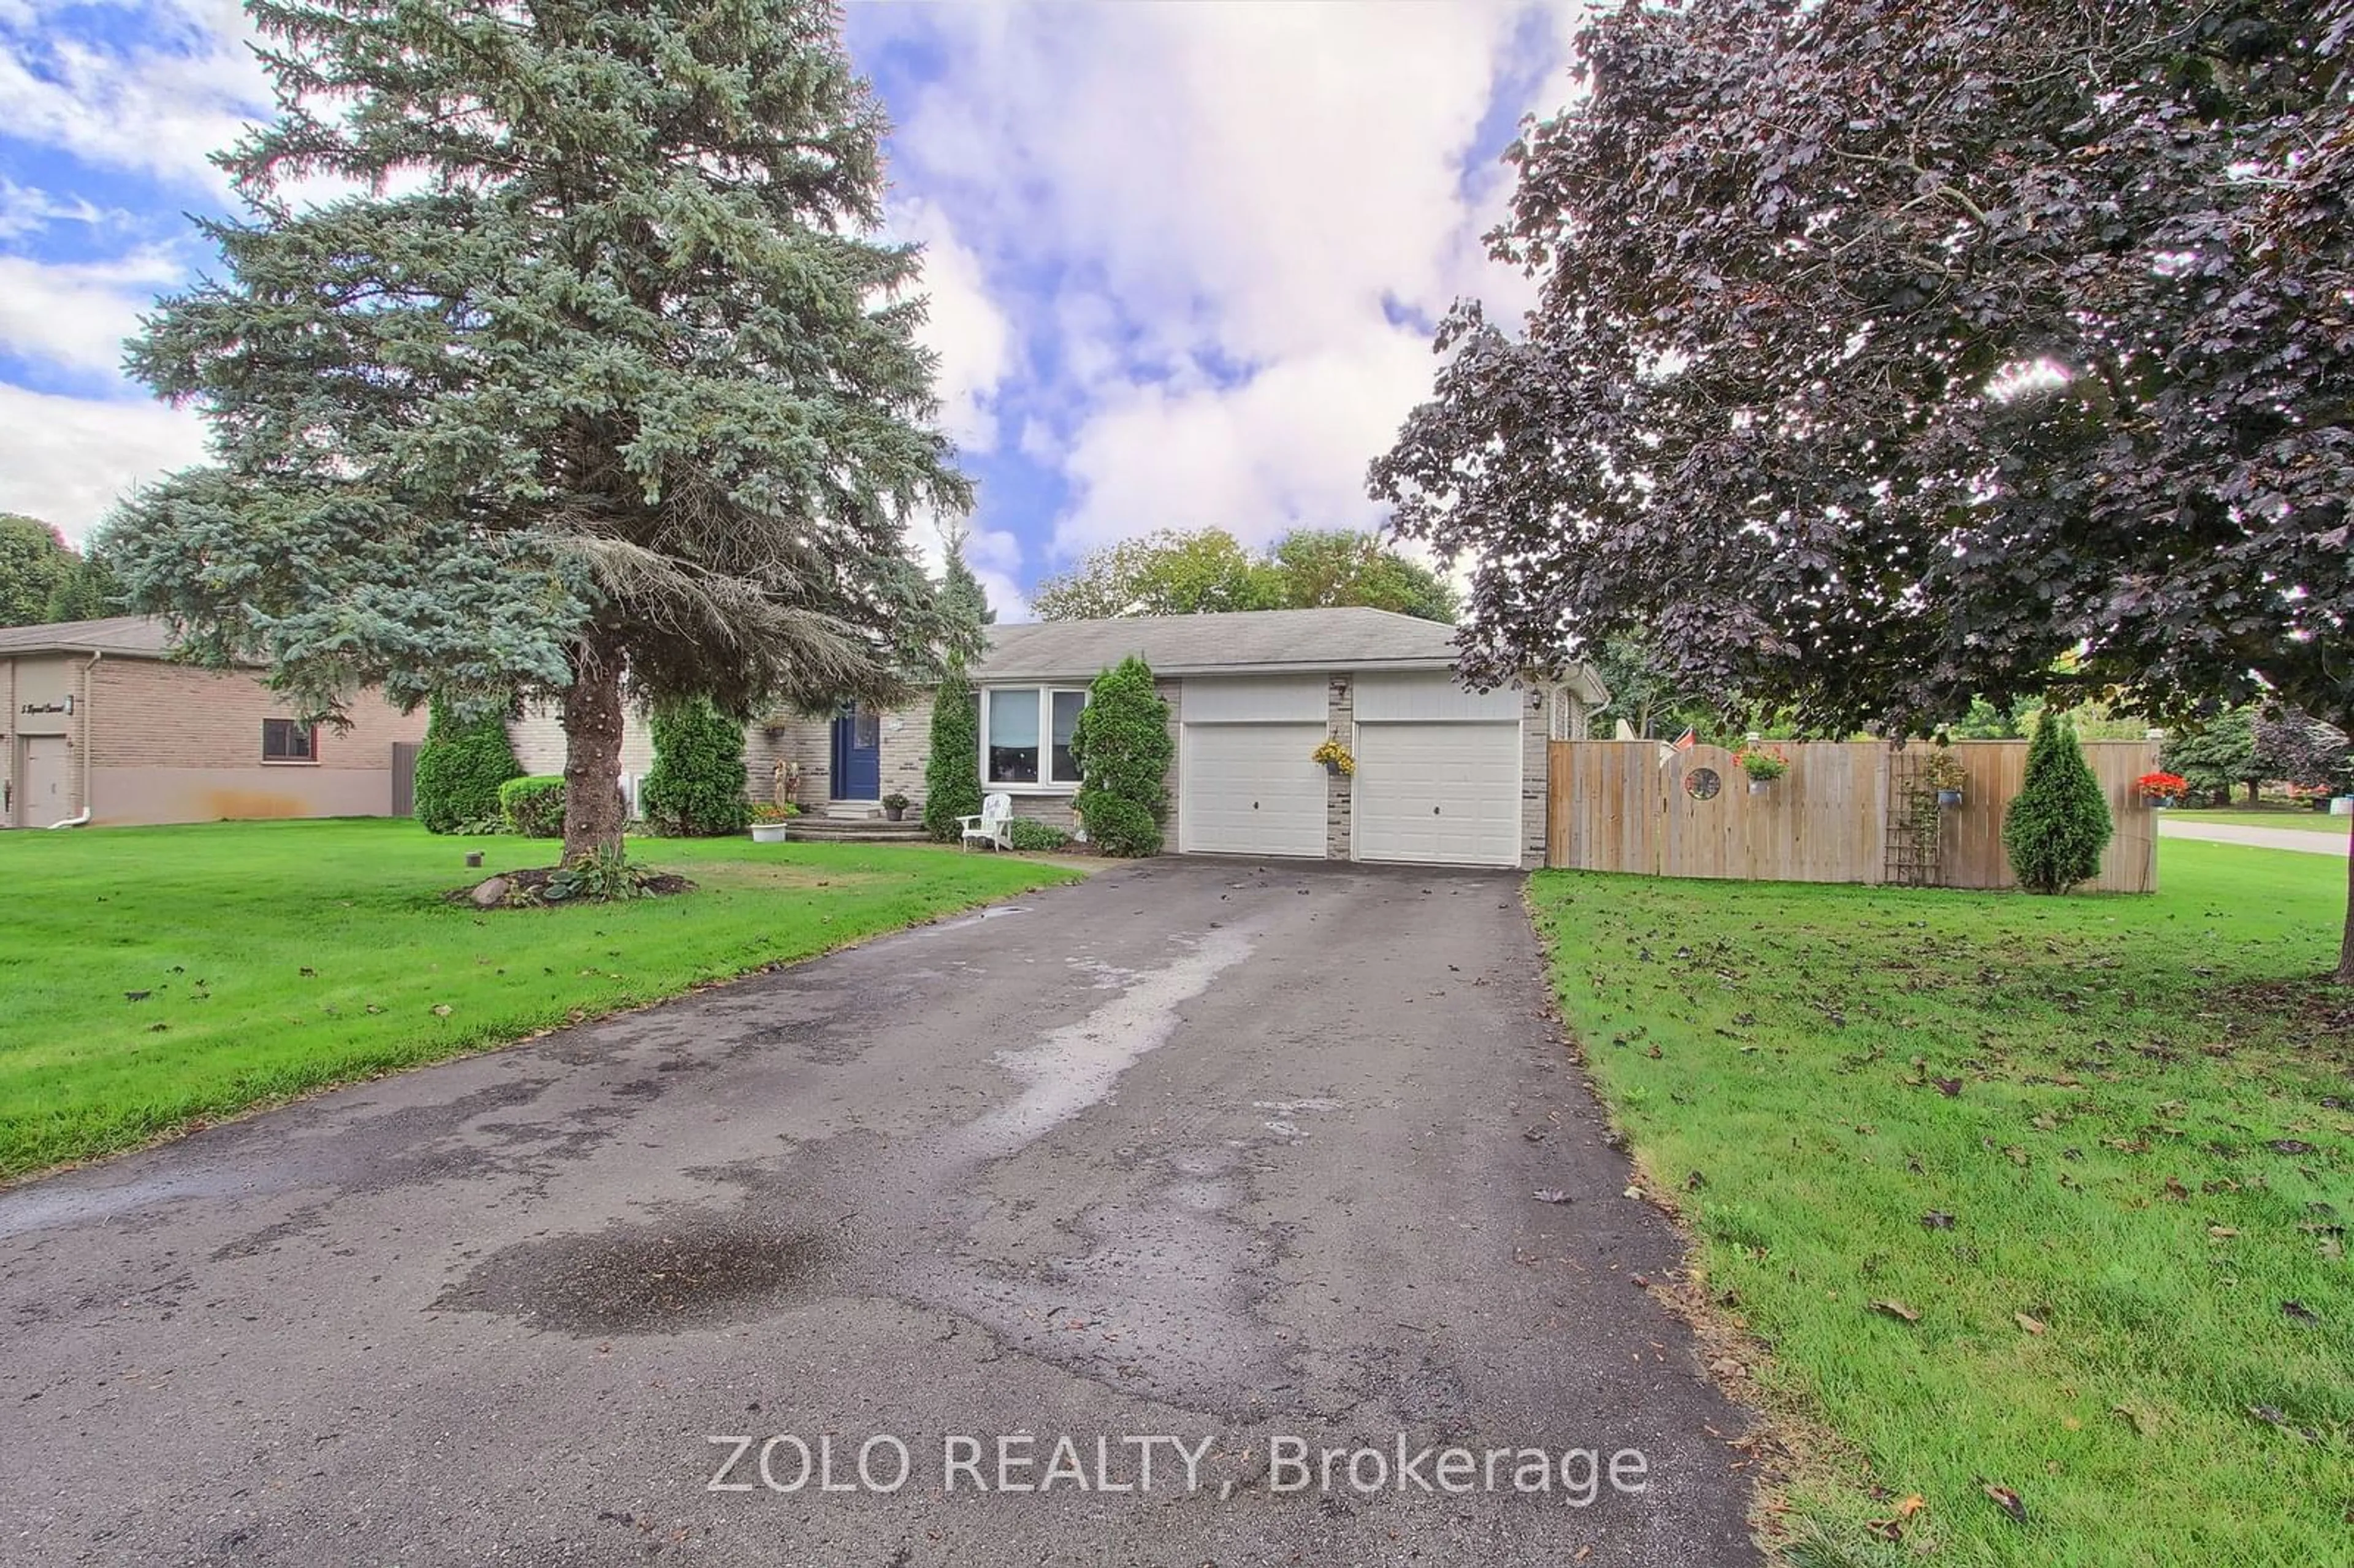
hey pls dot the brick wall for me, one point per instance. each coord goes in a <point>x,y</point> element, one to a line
<point>1536,710</point>
<point>1341,723</point>
<point>146,714</point>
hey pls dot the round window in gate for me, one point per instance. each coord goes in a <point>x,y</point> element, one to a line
<point>1703,783</point>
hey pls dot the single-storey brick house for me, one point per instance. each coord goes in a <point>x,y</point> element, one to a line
<point>1445,776</point>
<point>103,728</point>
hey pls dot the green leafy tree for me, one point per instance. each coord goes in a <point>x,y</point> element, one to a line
<point>1322,567</point>
<point>1887,350</point>
<point>2218,756</point>
<point>1167,573</point>
<point>1647,694</point>
<point>460,768</point>
<point>599,368</point>
<point>88,591</point>
<point>695,788</point>
<point>34,561</point>
<point>1122,745</point>
<point>2057,825</point>
<point>952,769</point>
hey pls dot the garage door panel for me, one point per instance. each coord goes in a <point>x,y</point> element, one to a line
<point>1438,793</point>
<point>1251,788</point>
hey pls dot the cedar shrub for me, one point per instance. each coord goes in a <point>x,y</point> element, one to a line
<point>460,768</point>
<point>2058,823</point>
<point>1122,745</point>
<point>952,771</point>
<point>695,788</point>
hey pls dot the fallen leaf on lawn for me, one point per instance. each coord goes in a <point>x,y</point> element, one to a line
<point>136,995</point>
<point>1725,1366</point>
<point>1551,1195</point>
<point>2046,1123</point>
<point>2007,1500</point>
<point>440,1009</point>
<point>307,972</point>
<point>2140,1420</point>
<point>1897,1310</point>
<point>1949,1088</point>
<point>2032,1326</point>
<point>1911,1505</point>
<point>2174,1188</point>
<point>2289,1146</point>
<point>2222,1232</point>
<point>2015,1154</point>
<point>1886,1529</point>
<point>2300,1311</point>
<point>1695,1182</point>
<point>1632,1192</point>
<point>1936,1220</point>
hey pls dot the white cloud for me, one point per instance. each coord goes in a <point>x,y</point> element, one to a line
<point>1229,199</point>
<point>67,460</point>
<point>964,326</point>
<point>158,109</point>
<point>75,314</point>
<point>1287,449</point>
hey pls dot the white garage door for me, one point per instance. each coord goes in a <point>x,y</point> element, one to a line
<point>1250,788</point>
<point>1438,793</point>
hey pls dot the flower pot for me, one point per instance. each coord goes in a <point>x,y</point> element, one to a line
<point>769,832</point>
<point>1333,768</point>
<point>895,813</point>
<point>1760,786</point>
<point>1949,797</point>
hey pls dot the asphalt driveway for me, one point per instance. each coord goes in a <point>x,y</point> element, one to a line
<point>1201,1164</point>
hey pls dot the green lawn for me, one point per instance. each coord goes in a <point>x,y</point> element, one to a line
<point>276,957</point>
<point>2149,1166</point>
<point>2304,821</point>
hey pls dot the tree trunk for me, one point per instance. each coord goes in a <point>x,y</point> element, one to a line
<point>2256,792</point>
<point>593,809</point>
<point>2346,942</point>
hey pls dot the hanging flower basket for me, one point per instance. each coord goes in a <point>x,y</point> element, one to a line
<point>1335,758</point>
<point>1945,774</point>
<point>2159,791</point>
<point>1764,763</point>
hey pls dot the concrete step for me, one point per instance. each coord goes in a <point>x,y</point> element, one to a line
<point>861,829</point>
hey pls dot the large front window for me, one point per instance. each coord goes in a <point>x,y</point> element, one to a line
<point>1026,735</point>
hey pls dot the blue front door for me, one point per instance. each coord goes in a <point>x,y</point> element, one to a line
<point>857,753</point>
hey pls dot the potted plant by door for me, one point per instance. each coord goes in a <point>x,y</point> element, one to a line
<point>895,807</point>
<point>1944,773</point>
<point>1764,763</point>
<point>768,821</point>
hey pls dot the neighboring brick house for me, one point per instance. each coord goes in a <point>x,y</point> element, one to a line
<point>103,727</point>
<point>1445,776</point>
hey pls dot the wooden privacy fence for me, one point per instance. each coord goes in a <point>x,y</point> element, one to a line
<point>1840,814</point>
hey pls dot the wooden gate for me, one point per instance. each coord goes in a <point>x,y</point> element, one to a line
<point>404,776</point>
<point>1639,806</point>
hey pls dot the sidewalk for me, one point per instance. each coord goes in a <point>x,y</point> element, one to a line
<point>2172,827</point>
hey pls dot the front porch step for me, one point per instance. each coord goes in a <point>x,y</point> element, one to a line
<point>849,810</point>
<point>863,830</point>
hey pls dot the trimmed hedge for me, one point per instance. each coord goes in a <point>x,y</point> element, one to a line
<point>2059,823</point>
<point>1122,745</point>
<point>695,788</point>
<point>534,806</point>
<point>953,770</point>
<point>460,770</point>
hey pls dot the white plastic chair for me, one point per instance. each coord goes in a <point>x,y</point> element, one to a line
<point>993,827</point>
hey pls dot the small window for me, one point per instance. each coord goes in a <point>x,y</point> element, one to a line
<point>1018,748</point>
<point>1013,742</point>
<point>285,740</point>
<point>1067,718</point>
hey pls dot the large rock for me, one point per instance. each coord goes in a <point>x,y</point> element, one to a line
<point>490,895</point>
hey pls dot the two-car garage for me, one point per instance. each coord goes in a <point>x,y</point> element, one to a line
<point>1438,777</point>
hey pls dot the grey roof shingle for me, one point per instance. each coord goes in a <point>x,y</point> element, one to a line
<point>1350,638</point>
<point>136,636</point>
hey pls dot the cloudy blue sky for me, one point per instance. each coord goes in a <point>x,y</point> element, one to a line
<point>1183,257</point>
